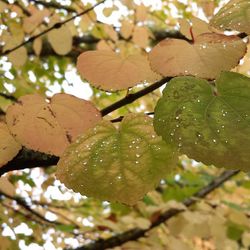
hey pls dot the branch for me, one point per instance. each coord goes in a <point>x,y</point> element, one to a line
<point>21,202</point>
<point>9,97</point>
<point>136,233</point>
<point>132,97</point>
<point>55,26</point>
<point>30,159</point>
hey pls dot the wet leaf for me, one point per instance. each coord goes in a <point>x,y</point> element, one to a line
<point>195,25</point>
<point>109,71</point>
<point>116,165</point>
<point>210,54</point>
<point>211,127</point>
<point>235,15</point>
<point>50,127</point>
<point>8,146</point>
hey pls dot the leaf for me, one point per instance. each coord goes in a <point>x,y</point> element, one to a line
<point>30,23</point>
<point>116,165</point>
<point>112,34</point>
<point>235,15</point>
<point>140,36</point>
<point>61,40</point>
<point>109,71</point>
<point>126,29</point>
<point>37,46</point>
<point>18,57</point>
<point>7,187</point>
<point>50,127</point>
<point>211,127</point>
<point>209,55</point>
<point>8,146</point>
<point>141,13</point>
<point>65,228</point>
<point>197,26</point>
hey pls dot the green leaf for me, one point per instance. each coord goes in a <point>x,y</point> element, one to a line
<point>208,126</point>
<point>65,228</point>
<point>116,164</point>
<point>235,231</point>
<point>234,16</point>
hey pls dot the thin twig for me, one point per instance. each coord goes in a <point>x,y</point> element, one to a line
<point>132,97</point>
<point>9,97</point>
<point>55,26</point>
<point>24,205</point>
<point>31,159</point>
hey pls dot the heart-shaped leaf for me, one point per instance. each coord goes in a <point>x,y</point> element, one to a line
<point>235,15</point>
<point>207,57</point>
<point>50,127</point>
<point>110,71</point>
<point>211,127</point>
<point>8,146</point>
<point>116,165</point>
<point>194,25</point>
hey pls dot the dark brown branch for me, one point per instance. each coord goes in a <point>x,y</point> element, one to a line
<point>9,97</point>
<point>31,159</point>
<point>132,97</point>
<point>136,233</point>
<point>55,26</point>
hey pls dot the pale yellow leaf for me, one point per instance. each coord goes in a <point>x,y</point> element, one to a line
<point>206,58</point>
<point>75,115</point>
<point>37,46</point>
<point>104,45</point>
<point>177,244</point>
<point>108,11</point>
<point>208,7</point>
<point>61,40</point>
<point>141,13</point>
<point>126,29</point>
<point>246,239</point>
<point>110,71</point>
<point>195,25</point>
<point>140,36</point>
<point>18,57</point>
<point>50,127</point>
<point>6,186</point>
<point>3,6</point>
<point>30,23</point>
<point>8,146</point>
<point>112,34</point>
